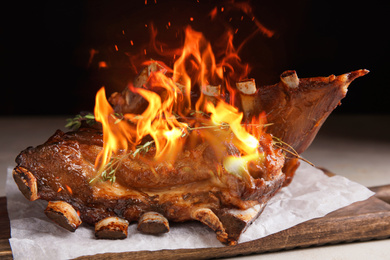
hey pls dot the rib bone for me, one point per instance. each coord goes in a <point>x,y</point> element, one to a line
<point>211,93</point>
<point>27,183</point>
<point>111,228</point>
<point>63,214</point>
<point>153,223</point>
<point>207,217</point>
<point>247,90</point>
<point>237,221</point>
<point>290,79</point>
<point>128,100</point>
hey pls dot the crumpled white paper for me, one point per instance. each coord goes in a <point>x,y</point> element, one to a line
<point>310,195</point>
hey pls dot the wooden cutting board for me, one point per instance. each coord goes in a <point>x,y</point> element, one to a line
<point>361,221</point>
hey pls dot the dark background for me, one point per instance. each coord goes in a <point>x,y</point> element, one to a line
<point>45,47</point>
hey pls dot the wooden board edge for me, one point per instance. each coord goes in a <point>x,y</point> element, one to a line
<point>5,230</point>
<point>376,227</point>
<point>5,250</point>
<point>334,230</point>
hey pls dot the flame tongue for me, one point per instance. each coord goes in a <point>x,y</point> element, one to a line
<point>157,121</point>
<point>169,118</point>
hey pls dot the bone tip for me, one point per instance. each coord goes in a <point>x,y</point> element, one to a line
<point>290,79</point>
<point>211,90</point>
<point>247,86</point>
<point>153,223</point>
<point>63,214</point>
<point>26,182</point>
<point>111,228</point>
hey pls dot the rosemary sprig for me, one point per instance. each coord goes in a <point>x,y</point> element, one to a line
<point>75,123</point>
<point>194,112</point>
<point>107,173</point>
<point>118,117</point>
<point>219,126</point>
<point>109,170</point>
<point>142,148</point>
<point>290,150</point>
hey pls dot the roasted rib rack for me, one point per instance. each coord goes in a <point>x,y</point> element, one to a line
<point>196,186</point>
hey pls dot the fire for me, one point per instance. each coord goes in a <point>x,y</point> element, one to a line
<point>171,119</point>
<point>224,113</point>
<point>69,189</point>
<point>114,135</point>
<point>246,142</point>
<point>157,121</point>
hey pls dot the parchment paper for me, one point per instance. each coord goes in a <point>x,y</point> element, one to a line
<point>310,195</point>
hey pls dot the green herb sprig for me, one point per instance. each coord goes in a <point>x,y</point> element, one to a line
<point>109,170</point>
<point>278,143</point>
<point>75,123</point>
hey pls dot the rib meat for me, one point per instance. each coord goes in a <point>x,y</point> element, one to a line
<point>297,108</point>
<point>196,186</point>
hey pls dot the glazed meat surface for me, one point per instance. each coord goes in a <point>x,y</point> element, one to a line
<point>64,168</point>
<point>196,185</point>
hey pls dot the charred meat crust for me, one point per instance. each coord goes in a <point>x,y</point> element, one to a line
<point>196,186</point>
<point>64,165</point>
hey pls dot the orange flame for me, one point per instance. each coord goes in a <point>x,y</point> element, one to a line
<point>156,121</point>
<point>168,119</point>
<point>114,136</point>
<point>224,113</point>
<point>69,189</point>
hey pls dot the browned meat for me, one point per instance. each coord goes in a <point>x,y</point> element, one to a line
<point>297,108</point>
<point>195,187</point>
